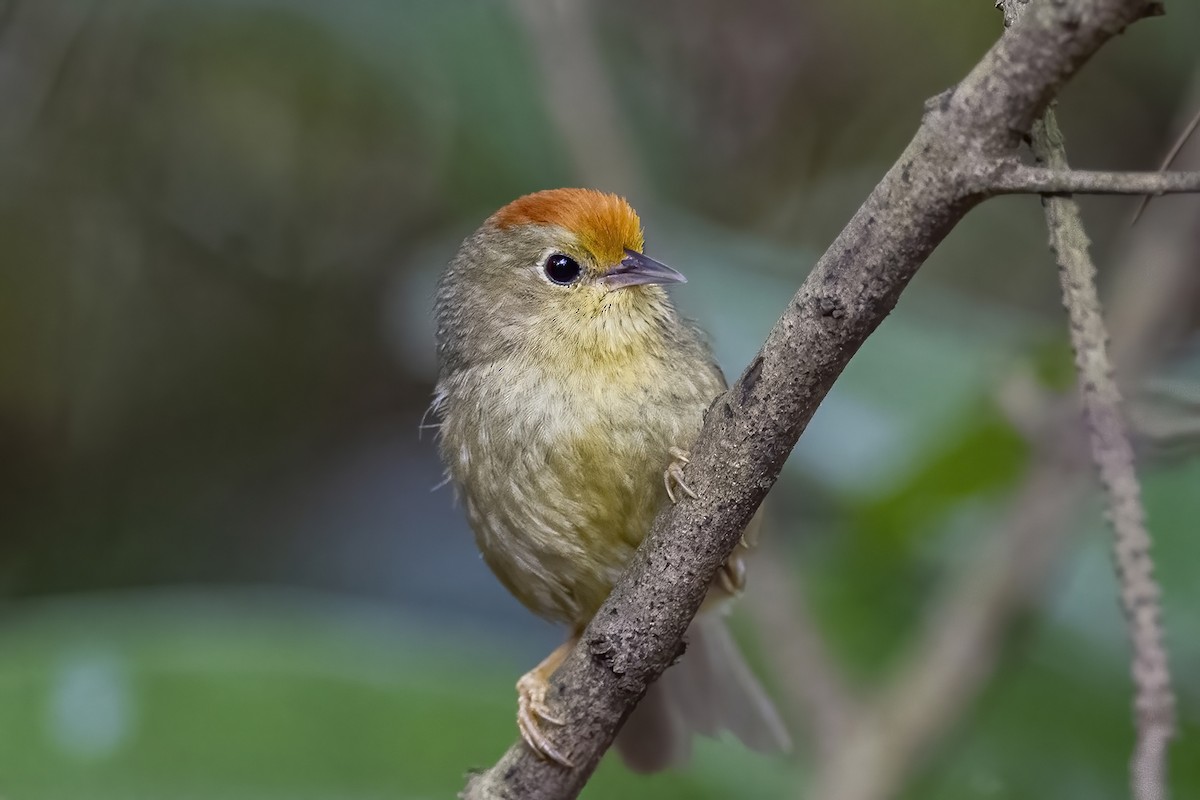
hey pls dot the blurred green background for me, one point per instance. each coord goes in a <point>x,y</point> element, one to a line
<point>224,572</point>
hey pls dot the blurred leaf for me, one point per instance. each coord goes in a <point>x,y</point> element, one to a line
<point>1053,363</point>
<point>176,697</point>
<point>876,576</point>
<point>981,457</point>
<point>1056,723</point>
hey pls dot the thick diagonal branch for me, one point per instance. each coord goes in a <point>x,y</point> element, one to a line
<point>749,431</point>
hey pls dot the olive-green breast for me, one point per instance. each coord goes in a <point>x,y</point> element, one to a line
<point>562,471</point>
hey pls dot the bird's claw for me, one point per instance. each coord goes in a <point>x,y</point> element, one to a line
<point>532,712</point>
<point>673,475</point>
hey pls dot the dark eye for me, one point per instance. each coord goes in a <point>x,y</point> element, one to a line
<point>562,269</point>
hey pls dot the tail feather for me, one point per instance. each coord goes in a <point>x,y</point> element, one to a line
<point>656,735</point>
<point>711,689</point>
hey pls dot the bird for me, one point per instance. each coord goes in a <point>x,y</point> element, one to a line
<point>569,392</point>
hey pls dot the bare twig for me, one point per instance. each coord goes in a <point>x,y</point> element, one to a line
<point>958,648</point>
<point>578,94</point>
<point>1037,180</point>
<point>1152,300</point>
<point>1186,134</point>
<point>750,430</point>
<point>809,676</point>
<point>1113,454</point>
<point>36,40</point>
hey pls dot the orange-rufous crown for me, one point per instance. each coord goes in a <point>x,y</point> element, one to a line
<point>604,223</point>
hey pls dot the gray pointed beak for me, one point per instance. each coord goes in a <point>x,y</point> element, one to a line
<point>636,269</point>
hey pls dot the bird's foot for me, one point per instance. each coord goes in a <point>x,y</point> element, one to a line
<point>533,711</point>
<point>673,475</point>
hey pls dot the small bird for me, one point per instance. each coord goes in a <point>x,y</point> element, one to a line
<point>569,393</point>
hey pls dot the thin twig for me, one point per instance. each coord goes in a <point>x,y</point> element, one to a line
<point>810,678</point>
<point>38,40</point>
<point>1152,298</point>
<point>578,95</point>
<point>1112,453</point>
<point>1023,179</point>
<point>1188,130</point>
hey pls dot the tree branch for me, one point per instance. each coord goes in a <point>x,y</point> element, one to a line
<point>1112,453</point>
<point>1016,561</point>
<point>750,430</point>
<point>1022,179</point>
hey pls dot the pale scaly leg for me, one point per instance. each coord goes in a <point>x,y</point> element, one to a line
<point>673,475</point>
<point>532,709</point>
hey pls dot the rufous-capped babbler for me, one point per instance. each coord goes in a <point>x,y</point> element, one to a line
<point>569,393</point>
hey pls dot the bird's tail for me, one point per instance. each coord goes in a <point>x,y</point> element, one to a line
<point>711,689</point>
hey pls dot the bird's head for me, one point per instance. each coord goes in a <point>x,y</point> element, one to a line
<point>558,274</point>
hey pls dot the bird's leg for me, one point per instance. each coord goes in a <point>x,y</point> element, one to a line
<point>532,709</point>
<point>673,475</point>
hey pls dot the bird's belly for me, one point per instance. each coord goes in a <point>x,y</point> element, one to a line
<point>557,529</point>
<point>558,509</point>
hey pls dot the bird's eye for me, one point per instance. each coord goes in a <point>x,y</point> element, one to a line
<point>561,269</point>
